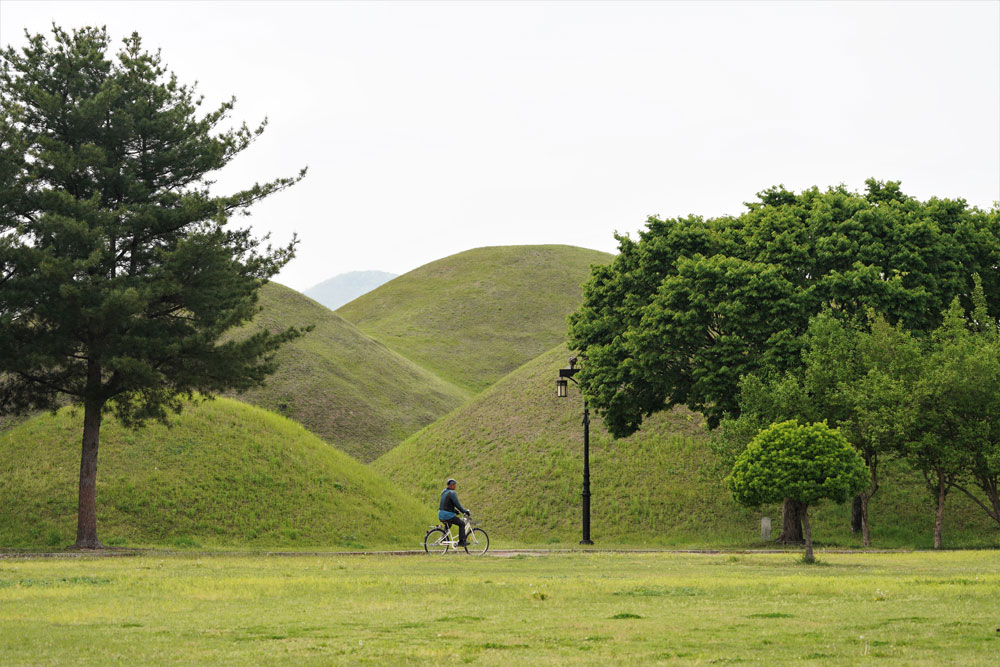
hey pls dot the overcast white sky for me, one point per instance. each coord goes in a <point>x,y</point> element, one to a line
<point>434,127</point>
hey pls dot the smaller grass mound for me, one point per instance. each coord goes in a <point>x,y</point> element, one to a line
<point>222,473</point>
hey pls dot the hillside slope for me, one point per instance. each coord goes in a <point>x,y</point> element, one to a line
<point>348,389</point>
<point>517,452</point>
<point>346,287</point>
<point>223,473</point>
<point>473,317</point>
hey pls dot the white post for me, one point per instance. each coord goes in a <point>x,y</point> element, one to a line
<point>765,529</point>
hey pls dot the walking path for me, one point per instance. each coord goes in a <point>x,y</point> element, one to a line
<point>122,552</point>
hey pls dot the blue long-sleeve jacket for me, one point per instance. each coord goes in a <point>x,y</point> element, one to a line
<point>449,505</point>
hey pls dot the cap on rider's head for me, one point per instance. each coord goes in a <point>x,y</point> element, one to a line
<point>450,482</point>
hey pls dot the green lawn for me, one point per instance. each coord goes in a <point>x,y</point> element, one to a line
<point>576,608</point>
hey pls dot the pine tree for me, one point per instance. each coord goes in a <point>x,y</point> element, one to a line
<point>119,272</point>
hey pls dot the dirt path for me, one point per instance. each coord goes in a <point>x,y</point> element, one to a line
<point>120,552</point>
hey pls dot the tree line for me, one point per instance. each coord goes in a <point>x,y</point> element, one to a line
<point>874,312</point>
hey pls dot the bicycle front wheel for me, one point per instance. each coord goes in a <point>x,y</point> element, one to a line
<point>479,542</point>
<point>436,541</point>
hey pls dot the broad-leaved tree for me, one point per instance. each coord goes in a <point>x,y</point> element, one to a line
<point>695,304</point>
<point>804,462</point>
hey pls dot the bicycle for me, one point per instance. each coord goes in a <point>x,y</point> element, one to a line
<point>438,539</point>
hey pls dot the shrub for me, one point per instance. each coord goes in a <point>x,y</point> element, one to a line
<point>806,463</point>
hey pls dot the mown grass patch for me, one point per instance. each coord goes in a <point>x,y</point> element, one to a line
<point>647,591</point>
<point>422,610</point>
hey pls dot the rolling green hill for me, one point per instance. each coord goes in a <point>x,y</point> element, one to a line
<point>517,452</point>
<point>223,473</point>
<point>348,389</point>
<point>473,317</point>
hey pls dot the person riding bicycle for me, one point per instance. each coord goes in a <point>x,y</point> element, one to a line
<point>448,511</point>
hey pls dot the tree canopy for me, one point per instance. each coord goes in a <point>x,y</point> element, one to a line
<point>807,463</point>
<point>119,272</point>
<point>695,304</point>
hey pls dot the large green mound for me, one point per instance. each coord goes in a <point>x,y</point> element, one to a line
<point>517,451</point>
<point>223,473</point>
<point>476,316</point>
<point>348,389</point>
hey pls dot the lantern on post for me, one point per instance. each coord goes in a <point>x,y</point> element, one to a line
<point>562,391</point>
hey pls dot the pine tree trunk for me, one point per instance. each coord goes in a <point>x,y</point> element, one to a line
<point>791,522</point>
<point>86,520</point>
<point>939,519</point>
<point>809,558</point>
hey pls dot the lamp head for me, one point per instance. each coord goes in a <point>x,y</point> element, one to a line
<point>562,385</point>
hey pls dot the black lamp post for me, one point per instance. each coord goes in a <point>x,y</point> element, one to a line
<point>562,385</point>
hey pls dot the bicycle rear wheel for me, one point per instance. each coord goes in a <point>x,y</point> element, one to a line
<point>479,542</point>
<point>436,541</point>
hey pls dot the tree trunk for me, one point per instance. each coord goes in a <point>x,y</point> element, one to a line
<point>859,509</point>
<point>856,515</point>
<point>809,558</point>
<point>791,522</point>
<point>866,536</point>
<point>989,486</point>
<point>939,519</point>
<point>86,518</point>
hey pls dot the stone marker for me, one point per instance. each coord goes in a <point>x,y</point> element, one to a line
<point>765,528</point>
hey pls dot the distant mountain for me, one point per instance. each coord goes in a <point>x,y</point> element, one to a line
<point>473,317</point>
<point>347,287</point>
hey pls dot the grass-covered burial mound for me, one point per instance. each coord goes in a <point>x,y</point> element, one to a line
<point>222,473</point>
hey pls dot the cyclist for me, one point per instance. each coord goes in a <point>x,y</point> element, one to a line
<point>448,510</point>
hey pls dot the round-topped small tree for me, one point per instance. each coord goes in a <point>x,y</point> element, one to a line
<point>803,462</point>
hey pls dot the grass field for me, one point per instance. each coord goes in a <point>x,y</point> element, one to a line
<point>579,608</point>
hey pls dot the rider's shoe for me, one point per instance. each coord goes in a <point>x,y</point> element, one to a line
<point>462,544</point>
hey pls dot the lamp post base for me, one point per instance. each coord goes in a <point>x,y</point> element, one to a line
<point>586,542</point>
